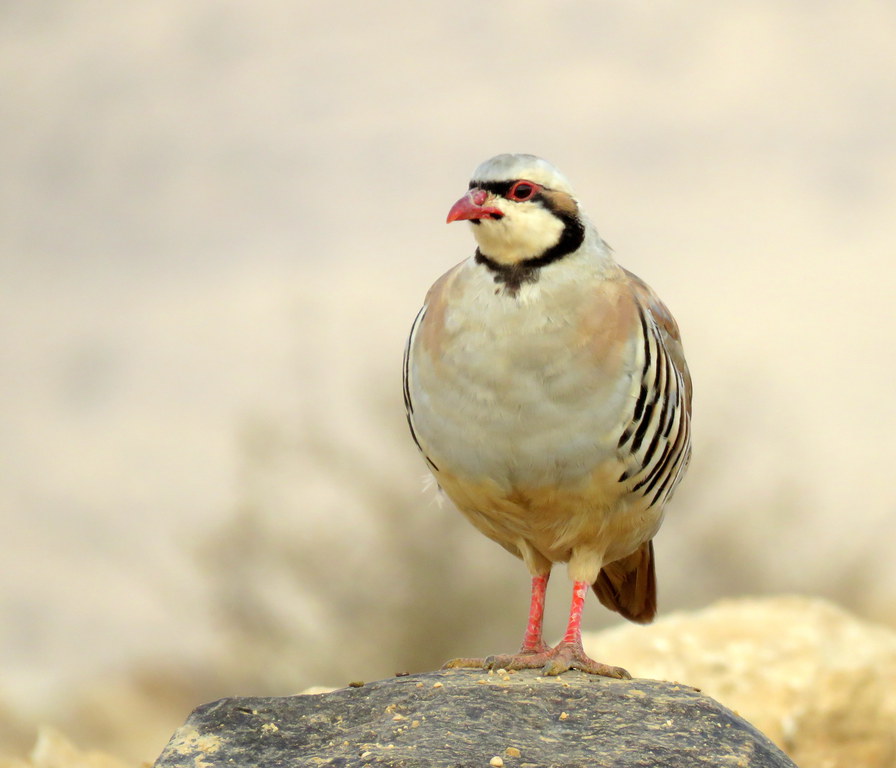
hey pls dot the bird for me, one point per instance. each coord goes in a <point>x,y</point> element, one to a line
<point>546,387</point>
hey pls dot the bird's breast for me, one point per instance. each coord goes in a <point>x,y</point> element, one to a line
<point>524,391</point>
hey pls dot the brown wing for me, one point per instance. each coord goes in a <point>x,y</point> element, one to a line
<point>666,324</point>
<point>655,447</point>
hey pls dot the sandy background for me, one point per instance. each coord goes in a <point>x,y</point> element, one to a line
<point>217,220</point>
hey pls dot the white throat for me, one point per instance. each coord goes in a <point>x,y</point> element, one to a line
<point>524,233</point>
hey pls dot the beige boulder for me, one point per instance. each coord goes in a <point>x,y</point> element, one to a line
<point>53,750</point>
<point>816,680</point>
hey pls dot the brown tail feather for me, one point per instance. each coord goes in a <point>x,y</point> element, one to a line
<point>628,586</point>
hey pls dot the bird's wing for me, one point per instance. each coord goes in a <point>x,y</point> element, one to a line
<point>666,324</point>
<point>654,446</point>
<point>655,443</point>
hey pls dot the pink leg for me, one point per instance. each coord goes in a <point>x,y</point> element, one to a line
<point>532,642</point>
<point>569,653</point>
<point>574,627</point>
<point>535,654</point>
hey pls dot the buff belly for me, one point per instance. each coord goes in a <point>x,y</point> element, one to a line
<point>531,462</point>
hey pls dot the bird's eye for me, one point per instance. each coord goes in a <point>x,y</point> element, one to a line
<point>521,191</point>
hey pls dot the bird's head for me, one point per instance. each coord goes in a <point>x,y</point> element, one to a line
<point>522,209</point>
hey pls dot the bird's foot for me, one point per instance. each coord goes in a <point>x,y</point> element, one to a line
<point>551,661</point>
<point>567,656</point>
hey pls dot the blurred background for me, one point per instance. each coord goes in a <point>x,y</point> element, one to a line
<point>217,221</point>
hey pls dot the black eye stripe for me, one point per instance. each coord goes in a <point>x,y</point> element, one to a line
<point>496,187</point>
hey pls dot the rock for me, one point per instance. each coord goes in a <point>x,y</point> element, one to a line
<point>474,718</point>
<point>819,682</point>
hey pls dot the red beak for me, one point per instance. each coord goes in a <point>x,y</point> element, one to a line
<point>470,207</point>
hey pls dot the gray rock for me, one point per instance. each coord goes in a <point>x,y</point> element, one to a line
<point>470,718</point>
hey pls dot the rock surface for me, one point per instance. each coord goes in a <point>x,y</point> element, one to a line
<point>817,681</point>
<point>473,718</point>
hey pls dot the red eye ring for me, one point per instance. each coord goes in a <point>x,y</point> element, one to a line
<point>522,190</point>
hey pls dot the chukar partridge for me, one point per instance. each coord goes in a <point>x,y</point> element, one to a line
<point>547,390</point>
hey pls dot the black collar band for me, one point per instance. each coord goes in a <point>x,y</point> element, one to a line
<point>511,275</point>
<point>526,271</point>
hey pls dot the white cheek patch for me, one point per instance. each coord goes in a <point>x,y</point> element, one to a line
<point>525,232</point>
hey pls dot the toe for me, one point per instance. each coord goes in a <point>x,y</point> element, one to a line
<point>604,670</point>
<point>555,666</point>
<point>466,664</point>
<point>517,661</point>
